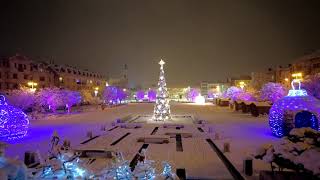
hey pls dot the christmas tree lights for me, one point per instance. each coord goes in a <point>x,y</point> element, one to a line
<point>162,108</point>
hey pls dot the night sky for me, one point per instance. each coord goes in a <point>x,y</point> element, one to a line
<point>199,40</point>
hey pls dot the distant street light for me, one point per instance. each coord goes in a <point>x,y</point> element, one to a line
<point>242,84</point>
<point>32,85</point>
<point>96,90</point>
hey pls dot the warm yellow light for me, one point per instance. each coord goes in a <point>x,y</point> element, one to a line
<point>107,84</point>
<point>96,88</point>
<point>60,78</point>
<point>296,75</point>
<point>124,89</point>
<point>242,84</point>
<point>286,79</point>
<point>32,83</point>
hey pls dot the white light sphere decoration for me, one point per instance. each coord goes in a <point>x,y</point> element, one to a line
<point>200,100</point>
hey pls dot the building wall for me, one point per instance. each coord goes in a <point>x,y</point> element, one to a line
<point>18,70</point>
<point>258,79</point>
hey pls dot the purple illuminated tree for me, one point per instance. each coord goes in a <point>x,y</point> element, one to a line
<point>192,93</point>
<point>152,94</point>
<point>114,95</point>
<point>140,94</point>
<point>273,92</point>
<point>232,93</point>
<point>22,98</point>
<point>70,98</point>
<point>245,96</point>
<point>50,98</point>
<point>312,86</point>
<point>121,94</point>
<point>110,94</point>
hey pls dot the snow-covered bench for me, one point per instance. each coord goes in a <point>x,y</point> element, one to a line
<point>173,126</point>
<point>130,125</point>
<point>154,139</point>
<point>183,134</point>
<point>257,108</point>
<point>94,153</point>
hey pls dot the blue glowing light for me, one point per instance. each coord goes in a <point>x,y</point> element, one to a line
<point>295,110</point>
<point>13,121</point>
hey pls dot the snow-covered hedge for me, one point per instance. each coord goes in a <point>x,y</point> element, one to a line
<point>299,151</point>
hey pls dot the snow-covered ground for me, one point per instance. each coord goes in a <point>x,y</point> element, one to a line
<point>244,133</point>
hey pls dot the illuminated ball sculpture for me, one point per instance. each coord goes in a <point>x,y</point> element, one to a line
<point>295,110</point>
<point>13,121</point>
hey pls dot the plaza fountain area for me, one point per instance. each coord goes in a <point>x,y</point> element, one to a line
<point>134,131</point>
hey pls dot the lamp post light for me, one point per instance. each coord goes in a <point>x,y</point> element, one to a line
<point>297,76</point>
<point>242,84</point>
<point>96,90</point>
<point>32,85</point>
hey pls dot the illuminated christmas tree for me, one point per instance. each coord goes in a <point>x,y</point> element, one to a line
<point>162,108</point>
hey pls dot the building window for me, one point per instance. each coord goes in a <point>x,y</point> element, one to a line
<point>15,86</point>
<point>24,66</point>
<point>15,76</point>
<point>42,78</point>
<point>0,74</point>
<point>15,65</point>
<point>25,76</point>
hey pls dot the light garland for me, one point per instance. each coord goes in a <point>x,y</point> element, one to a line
<point>13,121</point>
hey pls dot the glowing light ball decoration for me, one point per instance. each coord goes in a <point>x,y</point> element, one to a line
<point>200,100</point>
<point>297,109</point>
<point>13,121</point>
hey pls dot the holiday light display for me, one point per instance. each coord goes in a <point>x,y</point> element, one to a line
<point>200,100</point>
<point>297,109</point>
<point>13,122</point>
<point>167,170</point>
<point>162,108</point>
<point>144,170</point>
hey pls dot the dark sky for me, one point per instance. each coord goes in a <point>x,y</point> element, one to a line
<point>199,39</point>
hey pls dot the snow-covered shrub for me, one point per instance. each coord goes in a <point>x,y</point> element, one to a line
<point>22,98</point>
<point>273,92</point>
<point>312,86</point>
<point>298,151</point>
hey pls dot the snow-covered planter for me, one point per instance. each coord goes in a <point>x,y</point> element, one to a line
<point>299,151</point>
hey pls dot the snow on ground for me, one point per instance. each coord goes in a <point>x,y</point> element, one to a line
<point>244,132</point>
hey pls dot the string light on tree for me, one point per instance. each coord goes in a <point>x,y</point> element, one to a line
<point>162,107</point>
<point>13,122</point>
